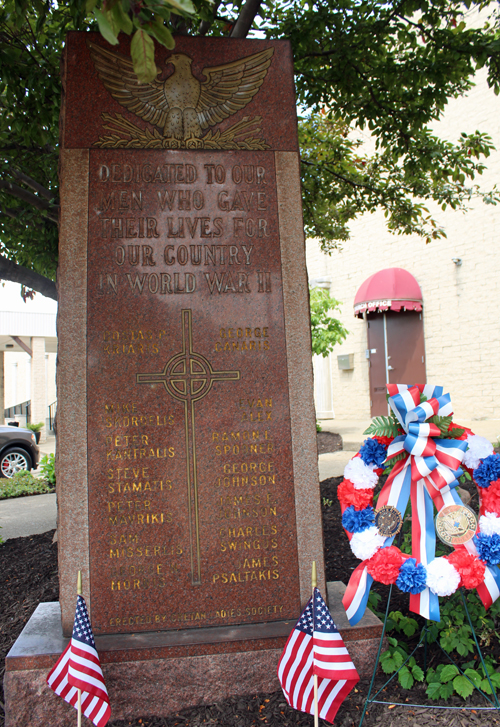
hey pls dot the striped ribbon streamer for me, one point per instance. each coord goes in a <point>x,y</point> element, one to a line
<point>427,476</point>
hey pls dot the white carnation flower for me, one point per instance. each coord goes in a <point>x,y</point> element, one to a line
<point>366,544</point>
<point>489,524</point>
<point>442,577</point>
<point>362,476</point>
<point>479,448</point>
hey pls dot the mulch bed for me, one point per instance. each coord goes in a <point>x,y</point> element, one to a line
<point>28,574</point>
<point>328,442</point>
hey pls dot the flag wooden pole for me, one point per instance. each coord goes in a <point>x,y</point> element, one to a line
<point>314,583</point>
<point>79,710</point>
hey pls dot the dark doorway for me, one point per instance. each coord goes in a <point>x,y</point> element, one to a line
<point>397,354</point>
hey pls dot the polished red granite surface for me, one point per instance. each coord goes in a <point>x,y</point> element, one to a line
<point>192,518</point>
<point>268,119</point>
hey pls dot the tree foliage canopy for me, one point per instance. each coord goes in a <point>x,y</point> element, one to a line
<point>326,331</point>
<point>389,68</point>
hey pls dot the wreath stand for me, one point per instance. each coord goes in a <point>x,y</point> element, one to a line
<point>423,639</point>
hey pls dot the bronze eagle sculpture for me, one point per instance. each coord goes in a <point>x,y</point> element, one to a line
<point>181,106</point>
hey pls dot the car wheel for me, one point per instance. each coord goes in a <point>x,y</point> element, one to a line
<point>14,460</point>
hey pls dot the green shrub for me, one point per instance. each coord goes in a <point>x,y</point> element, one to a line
<point>35,427</point>
<point>22,484</point>
<point>454,635</point>
<point>47,467</point>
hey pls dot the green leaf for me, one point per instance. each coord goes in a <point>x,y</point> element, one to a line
<point>383,427</point>
<point>121,19</point>
<point>405,678</point>
<point>446,690</point>
<point>142,50</point>
<point>433,690</point>
<point>409,626</point>
<point>449,671</point>
<point>105,27</point>
<point>463,687</point>
<point>443,423</point>
<point>398,659</point>
<point>431,675</point>
<point>465,647</point>
<point>162,35</point>
<point>417,673</point>
<point>455,433</point>
<point>495,680</point>
<point>388,665</point>
<point>473,676</point>
<point>90,5</point>
<point>326,331</point>
<point>185,6</point>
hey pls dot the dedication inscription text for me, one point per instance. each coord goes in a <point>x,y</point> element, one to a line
<point>192,513</point>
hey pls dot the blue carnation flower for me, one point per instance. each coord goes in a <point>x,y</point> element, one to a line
<point>372,452</point>
<point>355,521</point>
<point>488,471</point>
<point>412,577</point>
<point>488,548</point>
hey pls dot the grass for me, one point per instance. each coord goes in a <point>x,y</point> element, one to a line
<point>23,484</point>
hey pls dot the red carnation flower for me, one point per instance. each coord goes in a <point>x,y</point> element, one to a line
<point>470,568</point>
<point>348,495</point>
<point>384,440</point>
<point>385,564</point>
<point>490,498</point>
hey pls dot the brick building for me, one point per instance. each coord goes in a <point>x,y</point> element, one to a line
<point>458,278</point>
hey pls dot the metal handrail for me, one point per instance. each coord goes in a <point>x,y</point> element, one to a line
<point>52,414</point>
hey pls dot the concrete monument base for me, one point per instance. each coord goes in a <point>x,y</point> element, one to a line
<point>161,673</point>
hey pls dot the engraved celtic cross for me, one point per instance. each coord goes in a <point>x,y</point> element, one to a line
<point>188,377</point>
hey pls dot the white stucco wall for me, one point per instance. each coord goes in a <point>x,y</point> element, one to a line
<point>17,378</point>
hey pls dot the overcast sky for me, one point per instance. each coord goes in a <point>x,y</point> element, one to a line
<point>10,300</point>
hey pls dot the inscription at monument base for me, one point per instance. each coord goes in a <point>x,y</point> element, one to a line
<point>187,463</point>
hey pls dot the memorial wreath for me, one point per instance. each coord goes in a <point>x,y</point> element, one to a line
<point>421,450</point>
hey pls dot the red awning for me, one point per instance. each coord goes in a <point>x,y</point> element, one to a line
<point>390,289</point>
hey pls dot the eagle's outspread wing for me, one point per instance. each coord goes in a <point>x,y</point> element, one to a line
<point>231,87</point>
<point>146,100</point>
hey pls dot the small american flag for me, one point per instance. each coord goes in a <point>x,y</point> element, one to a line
<point>316,647</point>
<point>78,667</point>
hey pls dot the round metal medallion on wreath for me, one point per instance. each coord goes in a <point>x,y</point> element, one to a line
<point>388,521</point>
<point>456,524</point>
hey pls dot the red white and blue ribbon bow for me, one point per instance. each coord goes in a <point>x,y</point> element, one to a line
<point>427,476</point>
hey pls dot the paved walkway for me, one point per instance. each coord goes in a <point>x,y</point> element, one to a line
<point>49,446</point>
<point>23,516</point>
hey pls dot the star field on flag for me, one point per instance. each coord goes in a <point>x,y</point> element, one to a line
<point>316,647</point>
<point>78,667</point>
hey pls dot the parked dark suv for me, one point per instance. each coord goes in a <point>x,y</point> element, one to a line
<point>18,451</point>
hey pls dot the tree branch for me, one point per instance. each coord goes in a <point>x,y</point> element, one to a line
<point>9,212</point>
<point>10,270</point>
<point>245,19</point>
<point>33,184</point>
<point>205,24</point>
<point>339,176</point>
<point>48,209</point>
